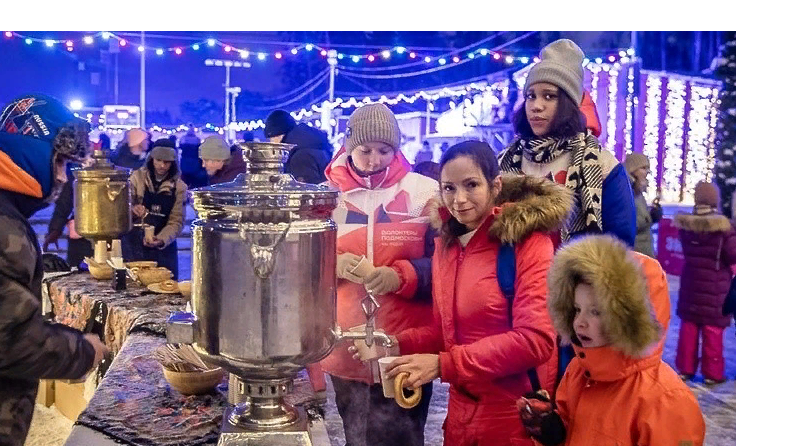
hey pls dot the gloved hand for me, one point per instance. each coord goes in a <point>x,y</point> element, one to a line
<point>540,419</point>
<point>51,238</point>
<point>344,263</point>
<point>383,280</point>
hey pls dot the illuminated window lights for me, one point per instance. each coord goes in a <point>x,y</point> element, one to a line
<point>613,90</point>
<point>651,137</point>
<point>628,110</point>
<point>594,81</point>
<point>713,125</point>
<point>674,134</point>
<point>697,140</point>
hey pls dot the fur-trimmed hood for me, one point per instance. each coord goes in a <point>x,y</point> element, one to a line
<point>702,223</point>
<point>524,205</point>
<point>619,282</point>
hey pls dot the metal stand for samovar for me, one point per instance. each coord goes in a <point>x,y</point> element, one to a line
<point>265,418</point>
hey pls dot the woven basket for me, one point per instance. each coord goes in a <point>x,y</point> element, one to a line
<point>193,383</point>
<point>147,276</point>
<point>99,271</point>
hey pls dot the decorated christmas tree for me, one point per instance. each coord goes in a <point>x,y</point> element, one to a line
<point>725,68</point>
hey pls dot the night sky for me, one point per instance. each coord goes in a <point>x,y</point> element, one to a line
<point>170,79</point>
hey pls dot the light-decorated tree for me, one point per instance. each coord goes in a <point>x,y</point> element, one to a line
<point>725,68</point>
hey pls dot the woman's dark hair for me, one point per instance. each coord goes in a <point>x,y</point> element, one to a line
<point>568,122</point>
<point>481,154</point>
<point>484,157</point>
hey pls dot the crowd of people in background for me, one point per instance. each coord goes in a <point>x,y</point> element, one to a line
<point>520,278</point>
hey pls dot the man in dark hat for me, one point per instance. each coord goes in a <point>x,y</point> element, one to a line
<point>307,161</point>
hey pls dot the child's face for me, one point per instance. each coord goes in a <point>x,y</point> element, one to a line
<point>588,322</point>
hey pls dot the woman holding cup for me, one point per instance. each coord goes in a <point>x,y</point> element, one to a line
<point>383,248</point>
<point>480,342</point>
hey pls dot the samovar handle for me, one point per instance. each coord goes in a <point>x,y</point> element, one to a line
<point>113,194</point>
<point>263,257</point>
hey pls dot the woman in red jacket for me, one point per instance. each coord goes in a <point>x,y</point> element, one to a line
<point>480,343</point>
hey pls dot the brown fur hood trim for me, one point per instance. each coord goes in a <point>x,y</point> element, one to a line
<point>528,204</point>
<point>618,281</point>
<point>702,223</point>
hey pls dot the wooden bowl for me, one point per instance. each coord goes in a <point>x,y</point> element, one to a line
<point>99,271</point>
<point>185,286</point>
<point>193,383</point>
<point>147,276</point>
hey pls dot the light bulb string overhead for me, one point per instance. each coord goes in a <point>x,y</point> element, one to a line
<point>322,50</point>
<point>420,62</point>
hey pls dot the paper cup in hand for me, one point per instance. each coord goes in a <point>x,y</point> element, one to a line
<point>387,384</point>
<point>363,268</point>
<point>148,233</point>
<point>392,388</point>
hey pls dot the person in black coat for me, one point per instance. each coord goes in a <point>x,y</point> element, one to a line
<point>308,160</point>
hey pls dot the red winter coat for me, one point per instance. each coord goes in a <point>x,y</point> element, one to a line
<point>709,245</point>
<point>622,393</point>
<point>385,218</point>
<point>485,354</point>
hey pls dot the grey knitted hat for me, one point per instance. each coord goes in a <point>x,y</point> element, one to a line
<point>163,153</point>
<point>372,123</point>
<point>214,148</point>
<point>562,66</point>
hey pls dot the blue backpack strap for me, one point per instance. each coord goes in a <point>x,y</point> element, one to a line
<point>506,272</point>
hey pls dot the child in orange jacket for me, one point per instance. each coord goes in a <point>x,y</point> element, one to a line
<point>613,305</point>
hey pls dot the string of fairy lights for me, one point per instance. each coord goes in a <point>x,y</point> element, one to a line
<point>686,133</point>
<point>396,53</point>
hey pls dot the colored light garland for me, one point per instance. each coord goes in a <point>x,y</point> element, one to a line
<point>711,155</point>
<point>595,70</point>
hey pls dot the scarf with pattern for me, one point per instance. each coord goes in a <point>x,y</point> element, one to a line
<point>584,174</point>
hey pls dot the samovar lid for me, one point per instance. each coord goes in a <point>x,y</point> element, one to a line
<point>264,186</point>
<point>102,168</point>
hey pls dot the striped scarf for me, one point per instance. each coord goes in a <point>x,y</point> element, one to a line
<point>584,174</point>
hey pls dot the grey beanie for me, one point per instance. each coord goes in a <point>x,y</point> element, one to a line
<point>163,153</point>
<point>214,148</point>
<point>372,123</point>
<point>562,66</point>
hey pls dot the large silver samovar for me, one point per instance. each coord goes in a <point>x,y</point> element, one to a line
<point>264,292</point>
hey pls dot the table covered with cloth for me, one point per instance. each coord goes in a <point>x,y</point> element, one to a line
<point>134,404</point>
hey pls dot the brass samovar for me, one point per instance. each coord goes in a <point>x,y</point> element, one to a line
<point>102,199</point>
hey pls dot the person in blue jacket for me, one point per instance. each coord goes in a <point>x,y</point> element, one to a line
<point>552,142</point>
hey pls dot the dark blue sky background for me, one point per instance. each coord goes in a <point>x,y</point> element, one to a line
<point>173,79</point>
<point>170,79</point>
